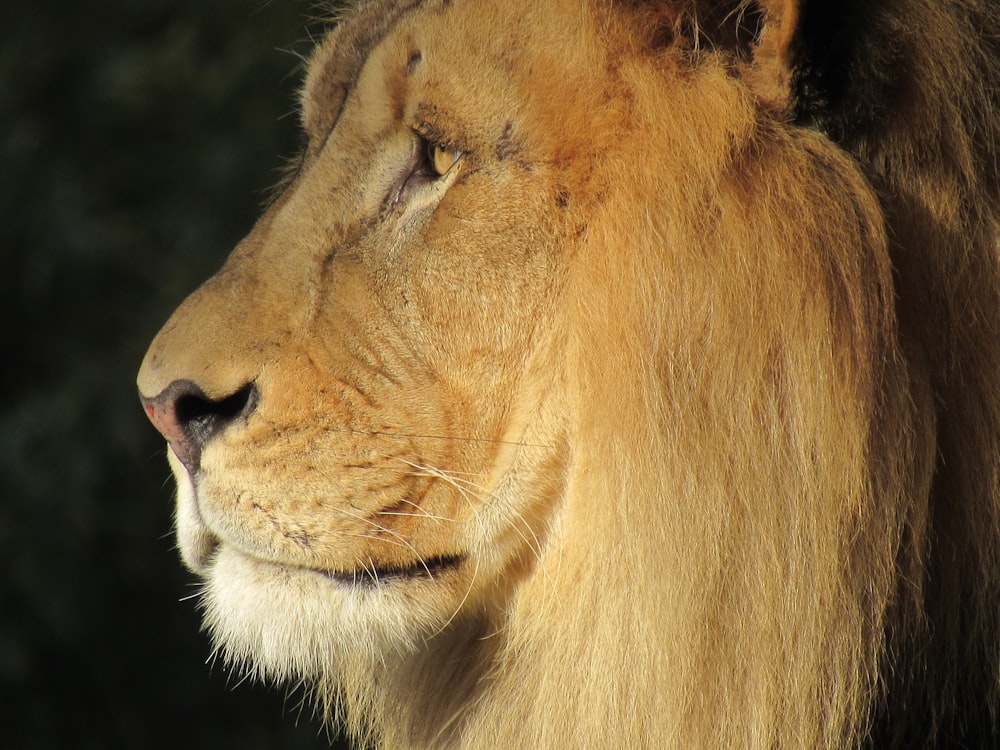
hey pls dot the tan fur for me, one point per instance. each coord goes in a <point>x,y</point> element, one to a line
<point>697,376</point>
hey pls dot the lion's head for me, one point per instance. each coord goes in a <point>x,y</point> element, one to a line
<point>611,375</point>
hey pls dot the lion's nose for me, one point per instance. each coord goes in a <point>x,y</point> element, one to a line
<point>188,419</point>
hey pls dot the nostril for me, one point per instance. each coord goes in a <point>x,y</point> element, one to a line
<point>188,418</point>
<point>203,417</point>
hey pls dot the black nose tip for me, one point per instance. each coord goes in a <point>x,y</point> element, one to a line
<point>188,418</point>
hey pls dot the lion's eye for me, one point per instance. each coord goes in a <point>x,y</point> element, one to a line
<point>442,158</point>
<point>433,161</point>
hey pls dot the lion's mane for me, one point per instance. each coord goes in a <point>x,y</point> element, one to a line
<point>794,483</point>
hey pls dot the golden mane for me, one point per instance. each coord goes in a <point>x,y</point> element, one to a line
<point>766,397</point>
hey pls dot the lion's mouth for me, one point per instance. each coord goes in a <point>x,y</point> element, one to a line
<point>375,576</point>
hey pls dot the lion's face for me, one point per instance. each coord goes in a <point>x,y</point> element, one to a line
<point>379,329</point>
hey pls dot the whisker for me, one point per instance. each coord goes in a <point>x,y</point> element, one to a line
<point>391,537</point>
<point>374,571</point>
<point>397,540</point>
<point>413,436</point>
<point>470,491</point>
<point>534,543</point>
<point>422,514</point>
<point>518,520</point>
<point>423,470</point>
<point>417,511</point>
<point>458,607</point>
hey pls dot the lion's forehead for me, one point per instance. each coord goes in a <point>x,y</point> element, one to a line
<point>524,69</point>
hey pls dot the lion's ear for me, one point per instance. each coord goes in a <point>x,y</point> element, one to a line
<point>772,51</point>
<point>763,37</point>
<point>802,56</point>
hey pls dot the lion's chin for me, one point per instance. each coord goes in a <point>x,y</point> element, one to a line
<point>288,623</point>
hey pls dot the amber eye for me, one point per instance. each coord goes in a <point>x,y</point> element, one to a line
<point>442,158</point>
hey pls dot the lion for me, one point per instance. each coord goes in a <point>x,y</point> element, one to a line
<point>613,375</point>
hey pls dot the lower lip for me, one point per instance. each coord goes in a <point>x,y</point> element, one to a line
<point>374,578</point>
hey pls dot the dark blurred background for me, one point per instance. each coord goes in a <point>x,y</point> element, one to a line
<point>138,140</point>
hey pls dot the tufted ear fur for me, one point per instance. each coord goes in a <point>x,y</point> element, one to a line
<point>773,62</point>
<point>761,37</point>
<point>823,63</point>
<point>764,36</point>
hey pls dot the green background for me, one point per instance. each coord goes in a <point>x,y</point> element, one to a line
<point>138,141</point>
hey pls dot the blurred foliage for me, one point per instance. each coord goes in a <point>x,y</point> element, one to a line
<point>137,142</point>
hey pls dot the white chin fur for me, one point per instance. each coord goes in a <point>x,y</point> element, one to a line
<point>284,623</point>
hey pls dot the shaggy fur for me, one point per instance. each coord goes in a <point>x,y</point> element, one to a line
<point>667,416</point>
